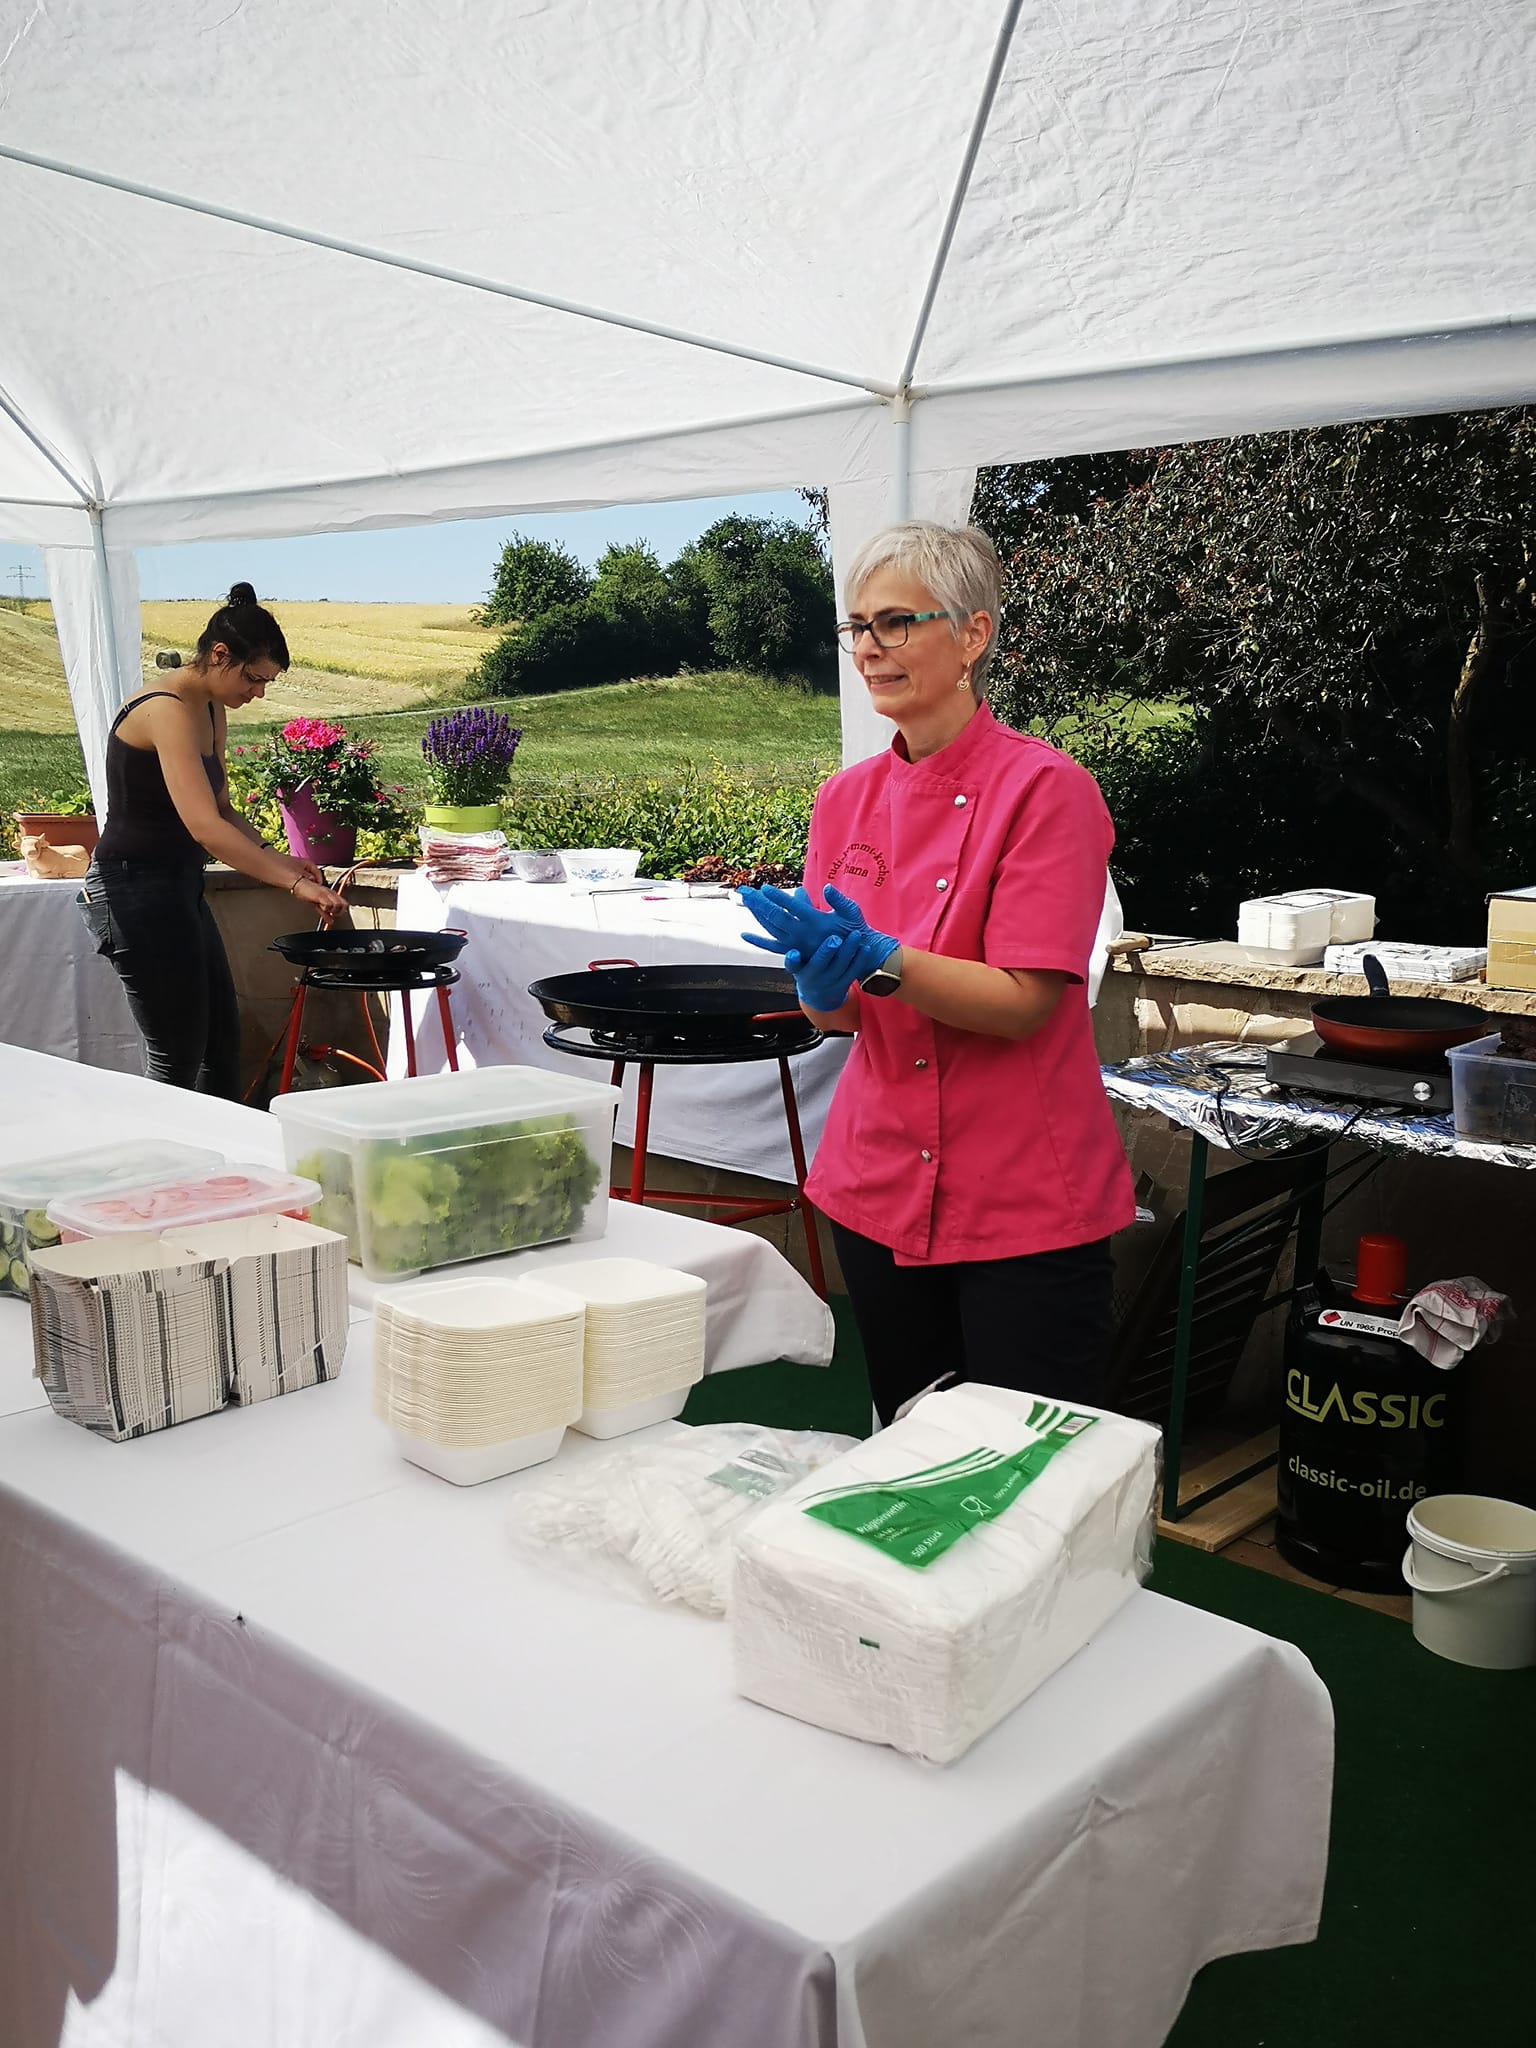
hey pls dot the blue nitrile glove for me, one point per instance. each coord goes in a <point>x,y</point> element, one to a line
<point>792,921</point>
<point>823,981</point>
<point>846,910</point>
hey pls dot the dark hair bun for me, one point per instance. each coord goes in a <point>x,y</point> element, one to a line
<point>243,593</point>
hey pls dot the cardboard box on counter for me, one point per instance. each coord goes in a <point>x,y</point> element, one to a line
<point>1512,939</point>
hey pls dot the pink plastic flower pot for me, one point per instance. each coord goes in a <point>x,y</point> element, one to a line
<point>313,833</point>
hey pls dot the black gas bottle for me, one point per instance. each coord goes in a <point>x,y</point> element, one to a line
<point>1368,1428</point>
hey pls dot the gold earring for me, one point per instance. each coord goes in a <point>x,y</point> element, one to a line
<point>965,678</point>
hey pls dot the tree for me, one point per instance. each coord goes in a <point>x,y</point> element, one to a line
<point>769,596</point>
<point>1347,614</point>
<point>629,574</point>
<point>532,577</point>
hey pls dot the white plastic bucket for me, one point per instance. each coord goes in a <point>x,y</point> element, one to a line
<point>1472,1567</point>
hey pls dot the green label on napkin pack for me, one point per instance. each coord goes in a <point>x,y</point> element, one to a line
<point>917,1518</point>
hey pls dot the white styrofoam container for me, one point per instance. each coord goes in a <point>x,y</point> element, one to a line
<point>431,1171</point>
<point>1295,927</point>
<point>1352,917</point>
<point>1292,930</point>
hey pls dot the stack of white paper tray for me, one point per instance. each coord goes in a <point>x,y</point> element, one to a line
<point>644,1341</point>
<point>477,1378</point>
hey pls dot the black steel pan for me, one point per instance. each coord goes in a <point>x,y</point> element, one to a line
<point>368,954</point>
<point>703,1006</point>
<point>1382,1026</point>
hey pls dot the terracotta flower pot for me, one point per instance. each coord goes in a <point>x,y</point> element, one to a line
<point>313,833</point>
<point>59,828</point>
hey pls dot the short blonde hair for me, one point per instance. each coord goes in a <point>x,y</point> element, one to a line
<point>957,563</point>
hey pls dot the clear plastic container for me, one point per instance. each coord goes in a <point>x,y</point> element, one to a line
<point>1494,1093</point>
<point>206,1198</point>
<point>429,1172</point>
<point>28,1187</point>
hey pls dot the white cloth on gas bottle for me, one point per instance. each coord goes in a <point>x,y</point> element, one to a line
<point>661,1518</point>
<point>1034,1520</point>
<point>1444,1320</point>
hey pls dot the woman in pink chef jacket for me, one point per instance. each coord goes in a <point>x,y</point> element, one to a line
<point>970,1167</point>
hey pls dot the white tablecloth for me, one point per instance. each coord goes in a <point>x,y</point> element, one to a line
<point>758,1308</point>
<point>57,994</point>
<point>522,931</point>
<point>295,1748</point>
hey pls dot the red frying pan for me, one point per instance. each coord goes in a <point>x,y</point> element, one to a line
<point>1382,1026</point>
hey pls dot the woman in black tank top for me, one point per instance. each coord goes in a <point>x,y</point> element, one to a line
<point>168,809</point>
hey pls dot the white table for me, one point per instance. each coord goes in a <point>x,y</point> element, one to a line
<point>57,994</point>
<point>521,931</point>
<point>296,1748</point>
<point>758,1307</point>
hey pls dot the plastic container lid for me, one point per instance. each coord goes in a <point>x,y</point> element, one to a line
<point>34,1183</point>
<point>207,1198</point>
<point>442,1102</point>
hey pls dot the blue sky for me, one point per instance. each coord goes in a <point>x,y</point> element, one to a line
<point>446,564</point>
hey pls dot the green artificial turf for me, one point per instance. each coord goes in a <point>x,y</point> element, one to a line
<point>1431,1895</point>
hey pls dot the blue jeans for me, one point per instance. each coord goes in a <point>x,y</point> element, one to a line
<point>154,925</point>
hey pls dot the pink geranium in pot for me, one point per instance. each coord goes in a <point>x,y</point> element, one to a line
<point>325,785</point>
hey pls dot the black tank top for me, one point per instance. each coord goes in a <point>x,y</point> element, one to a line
<point>143,822</point>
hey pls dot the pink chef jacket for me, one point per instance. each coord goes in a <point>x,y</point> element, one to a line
<point>950,1145</point>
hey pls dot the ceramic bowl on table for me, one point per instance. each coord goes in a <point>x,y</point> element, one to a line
<point>594,864</point>
<point>530,865</point>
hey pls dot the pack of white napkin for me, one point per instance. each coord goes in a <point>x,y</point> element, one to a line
<point>644,1340</point>
<point>917,1589</point>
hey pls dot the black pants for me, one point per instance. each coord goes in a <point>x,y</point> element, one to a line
<point>154,925</point>
<point>1039,1323</point>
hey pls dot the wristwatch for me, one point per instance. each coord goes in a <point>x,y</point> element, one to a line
<point>886,978</point>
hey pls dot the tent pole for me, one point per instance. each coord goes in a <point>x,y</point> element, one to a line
<point>104,599</point>
<point>901,458</point>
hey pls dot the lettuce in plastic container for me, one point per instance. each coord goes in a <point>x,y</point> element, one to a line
<point>435,1200</point>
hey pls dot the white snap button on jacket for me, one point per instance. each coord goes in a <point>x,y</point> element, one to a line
<point>941,883</point>
<point>928,1155</point>
<point>959,803</point>
<point>919,1063</point>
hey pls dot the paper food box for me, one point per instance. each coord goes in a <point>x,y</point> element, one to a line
<point>1512,939</point>
<point>133,1334</point>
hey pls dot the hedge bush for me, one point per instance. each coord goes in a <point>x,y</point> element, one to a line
<point>747,820</point>
<point>577,646</point>
<point>532,577</point>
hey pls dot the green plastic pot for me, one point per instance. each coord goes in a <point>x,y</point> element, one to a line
<point>464,817</point>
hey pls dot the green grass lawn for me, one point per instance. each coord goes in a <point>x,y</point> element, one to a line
<point>409,661</point>
<point>388,668</point>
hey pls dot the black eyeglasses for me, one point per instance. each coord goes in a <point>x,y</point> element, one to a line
<point>886,629</point>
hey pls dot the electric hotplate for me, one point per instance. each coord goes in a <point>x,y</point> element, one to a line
<point>1307,1065</point>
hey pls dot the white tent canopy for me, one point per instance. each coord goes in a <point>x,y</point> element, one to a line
<point>279,268</point>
